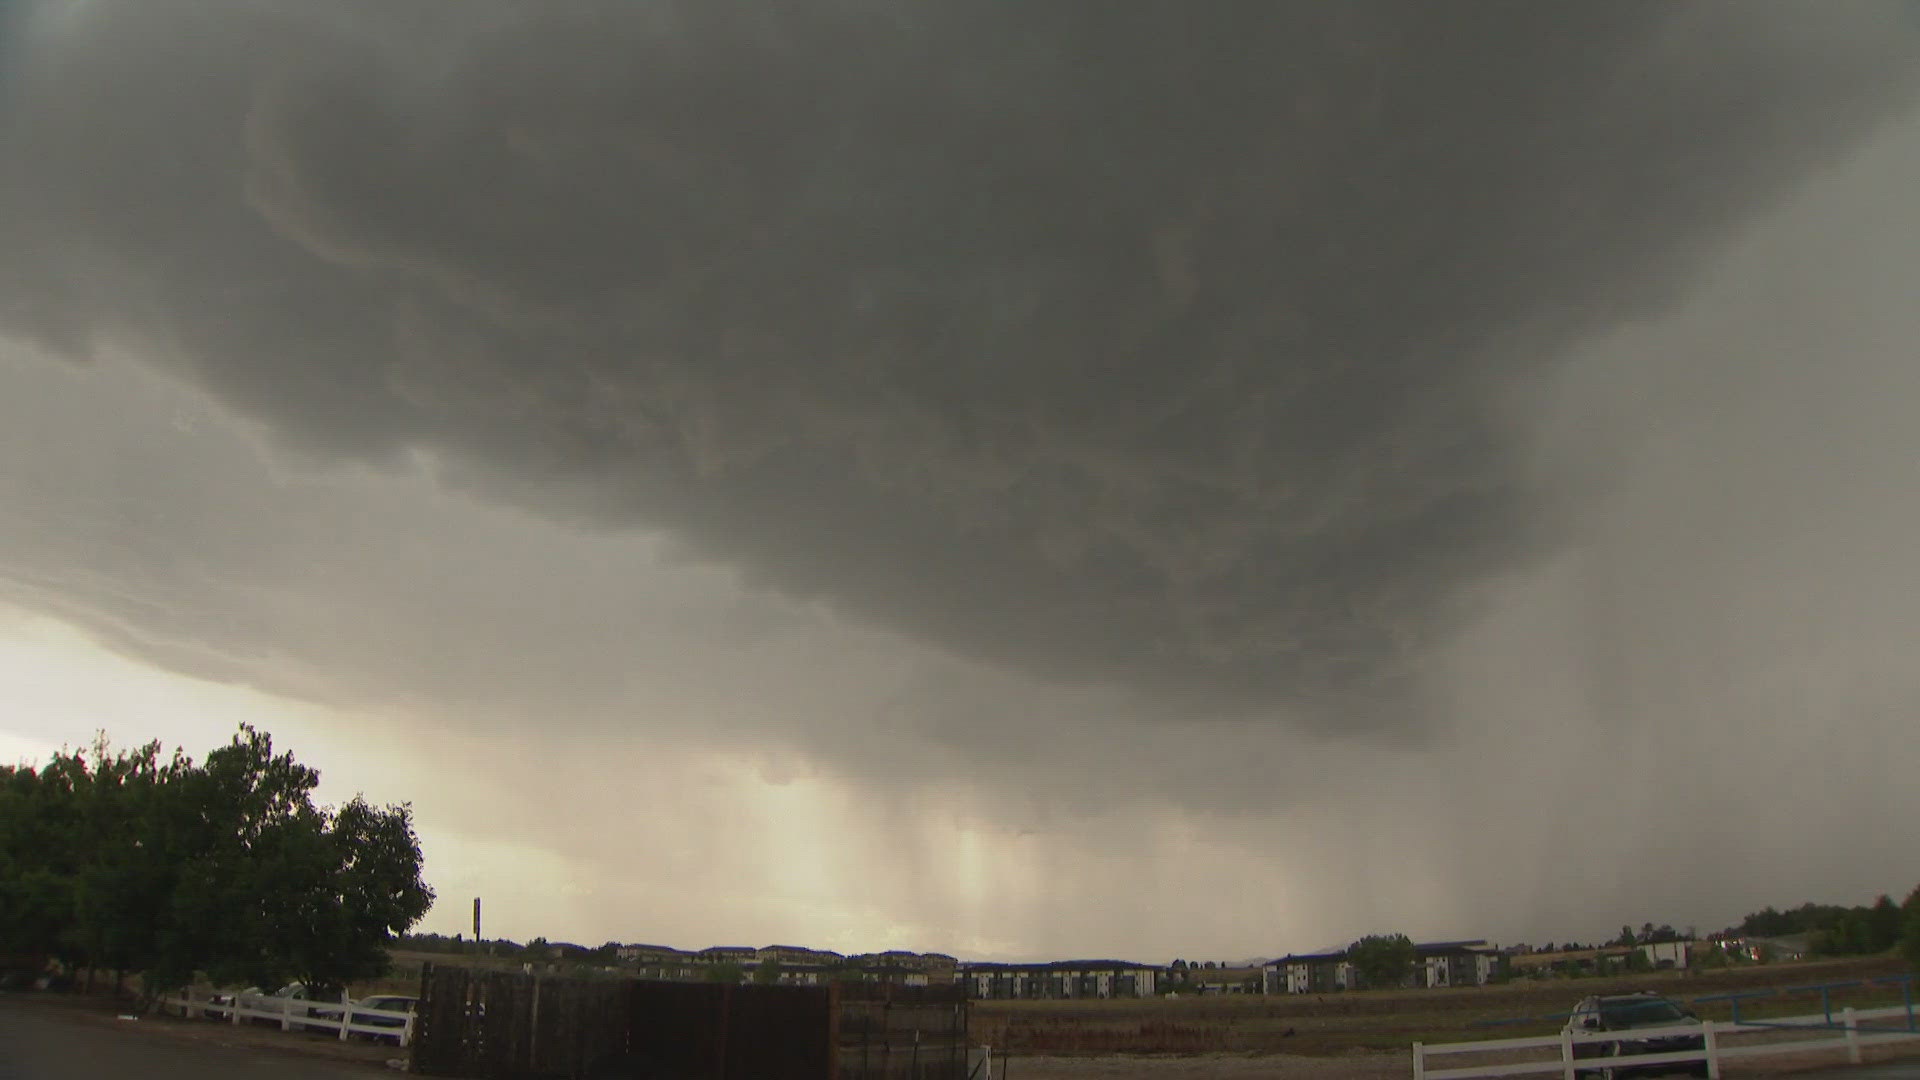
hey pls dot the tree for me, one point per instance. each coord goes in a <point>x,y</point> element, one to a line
<point>1382,960</point>
<point>726,971</point>
<point>767,972</point>
<point>1883,924</point>
<point>154,865</point>
<point>1910,928</point>
<point>281,888</point>
<point>36,864</point>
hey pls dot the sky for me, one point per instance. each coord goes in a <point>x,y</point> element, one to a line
<point>1098,479</point>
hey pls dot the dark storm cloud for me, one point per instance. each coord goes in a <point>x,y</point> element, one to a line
<point>1158,347</point>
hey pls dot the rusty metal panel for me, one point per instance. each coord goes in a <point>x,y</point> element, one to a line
<point>511,1026</point>
<point>903,1033</point>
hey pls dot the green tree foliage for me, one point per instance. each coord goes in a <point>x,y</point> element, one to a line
<point>1382,960</point>
<point>1806,919</point>
<point>726,971</point>
<point>1910,928</point>
<point>1883,923</point>
<point>767,972</point>
<point>138,863</point>
<point>1830,929</point>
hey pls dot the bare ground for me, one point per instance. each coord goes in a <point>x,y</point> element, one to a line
<point>106,1015</point>
<point>1360,1065</point>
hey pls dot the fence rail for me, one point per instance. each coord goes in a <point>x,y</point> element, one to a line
<point>342,1016</point>
<point>1847,1033</point>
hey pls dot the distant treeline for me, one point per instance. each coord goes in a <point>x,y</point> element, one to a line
<point>538,948</point>
<point>1648,934</point>
<point>1829,929</point>
<point>1835,930</point>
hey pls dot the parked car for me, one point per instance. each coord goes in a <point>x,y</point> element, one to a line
<point>277,1002</point>
<point>385,1003</point>
<point>220,1003</point>
<point>1629,1012</point>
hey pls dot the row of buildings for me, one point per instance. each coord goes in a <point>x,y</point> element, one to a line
<point>1653,955</point>
<point>792,965</point>
<point>1436,964</point>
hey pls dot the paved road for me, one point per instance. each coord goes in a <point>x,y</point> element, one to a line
<point>40,1044</point>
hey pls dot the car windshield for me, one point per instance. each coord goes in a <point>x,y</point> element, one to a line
<point>1640,1012</point>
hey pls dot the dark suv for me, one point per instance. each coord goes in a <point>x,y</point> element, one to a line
<point>1626,1012</point>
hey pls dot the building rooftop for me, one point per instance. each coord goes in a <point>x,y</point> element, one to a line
<point>1062,965</point>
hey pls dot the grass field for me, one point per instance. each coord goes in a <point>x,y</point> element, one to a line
<point>1332,1024</point>
<point>403,976</point>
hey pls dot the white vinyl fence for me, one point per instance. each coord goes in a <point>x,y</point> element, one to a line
<point>342,1016</point>
<point>1723,1040</point>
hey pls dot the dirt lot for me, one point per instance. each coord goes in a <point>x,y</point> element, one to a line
<point>1337,1025</point>
<point>54,1036</point>
<point>1361,1065</point>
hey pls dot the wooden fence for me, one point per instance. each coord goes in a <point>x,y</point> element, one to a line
<point>509,1025</point>
<point>903,1033</point>
<point>475,1023</point>
<point>290,1013</point>
<point>1564,1054</point>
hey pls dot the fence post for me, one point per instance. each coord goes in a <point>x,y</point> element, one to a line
<point>1713,1050</point>
<point>1419,1062</point>
<point>286,1014</point>
<point>533,1026</point>
<point>1853,1035</point>
<point>1566,1052</point>
<point>236,996</point>
<point>406,1031</point>
<point>346,1015</point>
